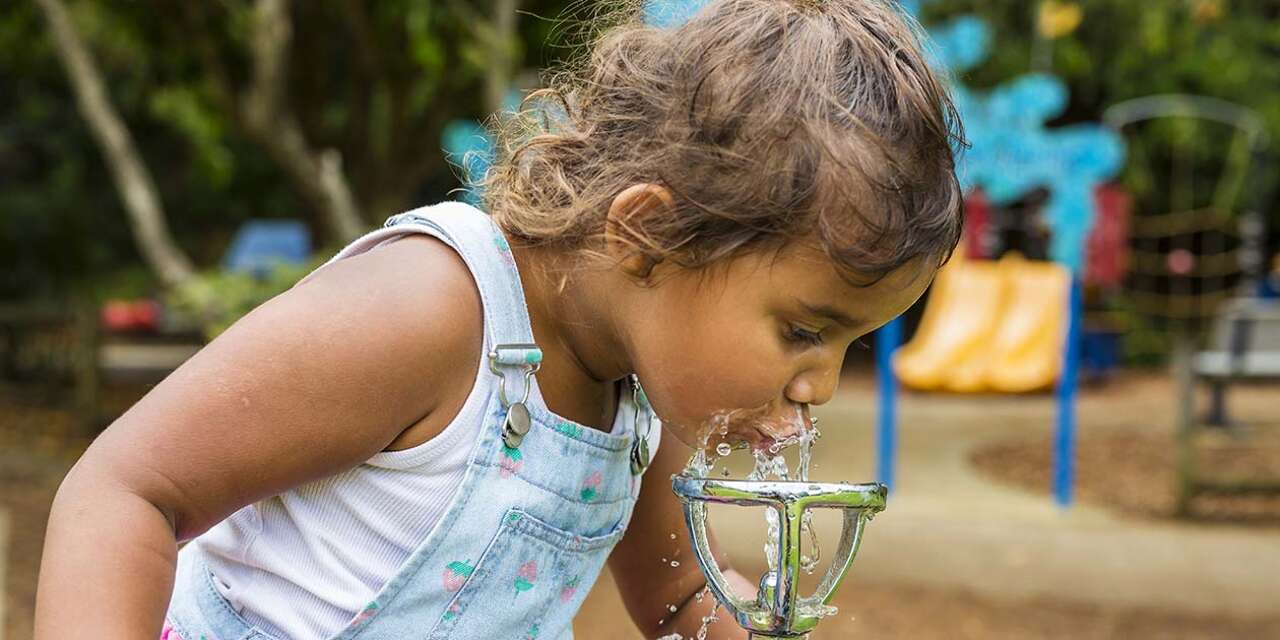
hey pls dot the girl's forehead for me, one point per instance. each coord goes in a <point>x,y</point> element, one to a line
<point>805,272</point>
<point>808,275</point>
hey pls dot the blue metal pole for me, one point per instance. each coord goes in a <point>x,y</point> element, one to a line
<point>1064,438</point>
<point>887,341</point>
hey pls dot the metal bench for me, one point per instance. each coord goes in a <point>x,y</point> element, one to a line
<point>1244,346</point>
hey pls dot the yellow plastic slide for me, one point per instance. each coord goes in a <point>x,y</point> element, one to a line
<point>989,326</point>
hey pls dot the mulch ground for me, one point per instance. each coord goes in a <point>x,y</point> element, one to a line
<point>1134,473</point>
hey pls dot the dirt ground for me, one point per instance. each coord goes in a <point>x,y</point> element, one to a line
<point>1133,471</point>
<point>1124,471</point>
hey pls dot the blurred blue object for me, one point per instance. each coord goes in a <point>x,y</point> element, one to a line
<point>468,146</point>
<point>1269,287</point>
<point>668,14</point>
<point>959,45</point>
<point>260,244</point>
<point>1099,352</point>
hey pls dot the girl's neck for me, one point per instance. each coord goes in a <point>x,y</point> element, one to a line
<point>574,321</point>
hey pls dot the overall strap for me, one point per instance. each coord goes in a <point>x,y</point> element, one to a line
<point>513,356</point>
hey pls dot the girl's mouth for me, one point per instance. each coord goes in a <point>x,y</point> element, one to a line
<point>759,429</point>
<point>771,435</point>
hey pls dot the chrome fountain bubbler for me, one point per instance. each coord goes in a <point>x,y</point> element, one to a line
<point>778,611</point>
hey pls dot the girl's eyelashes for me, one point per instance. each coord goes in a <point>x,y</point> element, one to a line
<point>803,336</point>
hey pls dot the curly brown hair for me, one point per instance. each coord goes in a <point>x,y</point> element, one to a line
<point>770,121</point>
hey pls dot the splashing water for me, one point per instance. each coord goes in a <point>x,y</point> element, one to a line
<point>770,463</point>
<point>707,620</point>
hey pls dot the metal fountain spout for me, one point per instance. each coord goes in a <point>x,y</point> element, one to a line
<point>778,610</point>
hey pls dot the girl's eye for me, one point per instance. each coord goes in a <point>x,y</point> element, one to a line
<point>796,334</point>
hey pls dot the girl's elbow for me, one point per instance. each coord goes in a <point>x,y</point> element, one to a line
<point>93,488</point>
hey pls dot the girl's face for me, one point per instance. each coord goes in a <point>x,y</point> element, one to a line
<point>751,343</point>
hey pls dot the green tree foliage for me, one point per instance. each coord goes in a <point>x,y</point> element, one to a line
<point>373,81</point>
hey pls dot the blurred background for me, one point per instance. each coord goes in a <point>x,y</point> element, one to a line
<point>1079,422</point>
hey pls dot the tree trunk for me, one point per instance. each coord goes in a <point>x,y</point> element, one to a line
<point>267,117</point>
<point>502,60</point>
<point>133,181</point>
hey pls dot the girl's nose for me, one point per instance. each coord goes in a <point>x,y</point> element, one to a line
<point>814,386</point>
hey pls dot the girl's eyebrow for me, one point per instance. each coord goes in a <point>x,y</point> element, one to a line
<point>831,312</point>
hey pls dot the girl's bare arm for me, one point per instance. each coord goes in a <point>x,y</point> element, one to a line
<point>314,381</point>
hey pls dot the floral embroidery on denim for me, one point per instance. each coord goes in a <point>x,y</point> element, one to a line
<point>526,576</point>
<point>453,611</point>
<point>570,589</point>
<point>591,488</point>
<point>167,632</point>
<point>456,574</point>
<point>512,461</point>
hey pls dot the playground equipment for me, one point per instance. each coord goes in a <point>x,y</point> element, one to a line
<point>1195,269</point>
<point>990,326</point>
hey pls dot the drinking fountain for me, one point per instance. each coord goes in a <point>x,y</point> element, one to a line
<point>778,610</point>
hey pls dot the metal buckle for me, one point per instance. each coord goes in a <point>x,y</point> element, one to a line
<point>640,454</point>
<point>528,357</point>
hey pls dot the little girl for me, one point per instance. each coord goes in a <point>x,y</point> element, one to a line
<point>442,432</point>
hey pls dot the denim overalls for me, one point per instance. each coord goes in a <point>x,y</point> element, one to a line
<point>534,519</point>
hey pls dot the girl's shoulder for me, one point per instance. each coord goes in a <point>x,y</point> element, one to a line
<point>438,305</point>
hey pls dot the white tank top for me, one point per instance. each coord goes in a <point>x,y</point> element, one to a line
<point>301,564</point>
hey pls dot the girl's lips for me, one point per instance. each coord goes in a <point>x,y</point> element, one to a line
<point>768,434</point>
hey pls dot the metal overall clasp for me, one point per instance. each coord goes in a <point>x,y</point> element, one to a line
<point>526,358</point>
<point>640,455</point>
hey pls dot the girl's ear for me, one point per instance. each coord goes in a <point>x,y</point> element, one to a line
<point>633,250</point>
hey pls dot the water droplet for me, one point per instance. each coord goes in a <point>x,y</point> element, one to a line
<point>673,536</point>
<point>672,608</point>
<point>723,449</point>
<point>675,563</point>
